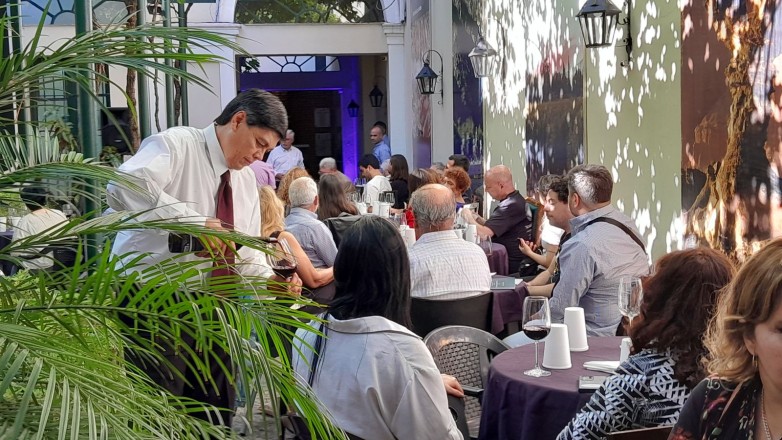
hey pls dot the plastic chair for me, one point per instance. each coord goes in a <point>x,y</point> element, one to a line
<point>465,353</point>
<point>338,225</point>
<point>429,314</point>
<point>656,433</point>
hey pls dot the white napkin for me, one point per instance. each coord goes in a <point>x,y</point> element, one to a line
<point>602,366</point>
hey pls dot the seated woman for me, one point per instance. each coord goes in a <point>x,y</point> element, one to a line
<point>458,181</point>
<point>650,387</point>
<point>398,177</point>
<point>373,374</point>
<point>742,399</point>
<point>273,225</point>
<point>333,200</point>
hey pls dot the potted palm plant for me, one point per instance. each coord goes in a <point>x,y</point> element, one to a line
<point>62,370</point>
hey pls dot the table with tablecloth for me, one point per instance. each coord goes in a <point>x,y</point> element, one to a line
<point>498,260</point>
<point>519,407</point>
<point>507,307</point>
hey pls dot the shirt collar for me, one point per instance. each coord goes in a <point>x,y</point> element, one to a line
<point>581,220</point>
<point>437,236</point>
<point>216,155</point>
<point>303,211</point>
<point>515,191</point>
<point>367,324</point>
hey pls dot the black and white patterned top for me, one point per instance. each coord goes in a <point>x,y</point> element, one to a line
<point>641,393</point>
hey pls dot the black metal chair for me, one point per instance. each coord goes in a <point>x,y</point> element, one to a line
<point>656,433</point>
<point>465,353</point>
<point>429,314</point>
<point>338,225</point>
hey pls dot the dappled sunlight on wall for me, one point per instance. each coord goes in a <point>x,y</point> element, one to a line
<point>633,122</point>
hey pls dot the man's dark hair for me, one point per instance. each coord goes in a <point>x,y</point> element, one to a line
<point>593,183</point>
<point>372,273</point>
<point>382,126</point>
<point>460,160</point>
<point>262,108</point>
<point>544,183</point>
<point>559,186</point>
<point>369,160</point>
<point>34,197</point>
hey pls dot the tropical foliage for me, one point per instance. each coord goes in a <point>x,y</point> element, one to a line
<point>63,373</point>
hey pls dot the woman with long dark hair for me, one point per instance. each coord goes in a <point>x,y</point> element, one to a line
<point>651,386</point>
<point>333,200</point>
<point>372,373</point>
<point>398,177</point>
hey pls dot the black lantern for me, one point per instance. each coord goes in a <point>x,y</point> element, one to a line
<point>376,97</point>
<point>427,78</point>
<point>482,58</point>
<point>352,109</point>
<point>598,20</point>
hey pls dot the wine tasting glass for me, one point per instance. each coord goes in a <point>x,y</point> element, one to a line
<point>536,324</point>
<point>631,293</point>
<point>281,259</point>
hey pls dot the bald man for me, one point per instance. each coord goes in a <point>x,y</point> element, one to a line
<point>442,265</point>
<point>509,221</point>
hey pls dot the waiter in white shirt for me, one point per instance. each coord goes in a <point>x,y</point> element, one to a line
<point>195,176</point>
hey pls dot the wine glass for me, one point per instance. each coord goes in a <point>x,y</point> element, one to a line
<point>485,244</point>
<point>536,324</point>
<point>390,199</point>
<point>631,293</point>
<point>281,259</point>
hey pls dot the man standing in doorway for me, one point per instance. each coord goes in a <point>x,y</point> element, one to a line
<point>285,156</point>
<point>381,150</point>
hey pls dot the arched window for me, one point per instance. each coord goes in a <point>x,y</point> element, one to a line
<point>61,12</point>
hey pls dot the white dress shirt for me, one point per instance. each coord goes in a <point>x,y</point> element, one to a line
<point>181,168</point>
<point>374,187</point>
<point>283,160</point>
<point>443,266</point>
<point>377,379</point>
<point>34,223</point>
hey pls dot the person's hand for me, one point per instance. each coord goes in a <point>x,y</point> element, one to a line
<point>527,247</point>
<point>294,285</point>
<point>290,286</point>
<point>213,245</point>
<point>452,385</point>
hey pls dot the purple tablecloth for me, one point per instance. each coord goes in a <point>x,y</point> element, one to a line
<point>520,407</point>
<point>498,260</point>
<point>507,307</point>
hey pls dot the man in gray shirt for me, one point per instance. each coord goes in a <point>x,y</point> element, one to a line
<point>604,248</point>
<point>302,222</point>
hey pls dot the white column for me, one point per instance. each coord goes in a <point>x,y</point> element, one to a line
<point>442,114</point>
<point>399,99</point>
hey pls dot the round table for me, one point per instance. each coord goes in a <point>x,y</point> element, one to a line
<point>498,260</point>
<point>516,406</point>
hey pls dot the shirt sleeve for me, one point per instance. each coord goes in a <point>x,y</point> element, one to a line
<point>324,245</point>
<point>610,408</point>
<point>504,217</point>
<point>252,262</point>
<point>577,268</point>
<point>423,411</point>
<point>373,192</point>
<point>152,169</point>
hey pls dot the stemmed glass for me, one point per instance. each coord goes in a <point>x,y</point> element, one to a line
<point>536,324</point>
<point>631,293</point>
<point>281,259</point>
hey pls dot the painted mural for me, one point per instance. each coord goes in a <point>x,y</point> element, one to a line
<point>420,42</point>
<point>732,123</point>
<point>467,102</point>
<point>554,126</point>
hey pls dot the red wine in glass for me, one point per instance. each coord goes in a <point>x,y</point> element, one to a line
<point>536,332</point>
<point>284,269</point>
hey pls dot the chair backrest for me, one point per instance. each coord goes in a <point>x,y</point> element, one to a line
<point>456,406</point>
<point>465,353</point>
<point>429,314</point>
<point>656,433</point>
<point>338,225</point>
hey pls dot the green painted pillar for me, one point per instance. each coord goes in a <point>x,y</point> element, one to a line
<point>171,119</point>
<point>183,67</point>
<point>142,104</point>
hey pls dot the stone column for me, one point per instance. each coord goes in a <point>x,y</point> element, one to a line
<point>399,99</point>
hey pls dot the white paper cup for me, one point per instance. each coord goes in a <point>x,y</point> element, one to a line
<point>362,208</point>
<point>376,207</point>
<point>459,233</point>
<point>556,354</point>
<point>624,349</point>
<point>576,328</point>
<point>409,236</point>
<point>385,209</point>
<point>470,233</point>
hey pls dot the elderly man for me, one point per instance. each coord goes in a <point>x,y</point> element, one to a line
<point>510,220</point>
<point>285,156</point>
<point>605,247</point>
<point>328,165</point>
<point>443,266</point>
<point>311,233</point>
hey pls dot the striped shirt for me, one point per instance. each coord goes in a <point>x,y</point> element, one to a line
<point>444,266</point>
<point>592,263</point>
<point>313,236</point>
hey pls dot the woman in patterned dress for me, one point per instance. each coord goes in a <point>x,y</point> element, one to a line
<point>650,387</point>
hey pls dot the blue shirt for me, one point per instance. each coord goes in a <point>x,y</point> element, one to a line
<point>382,152</point>
<point>283,160</point>
<point>592,262</point>
<point>313,236</point>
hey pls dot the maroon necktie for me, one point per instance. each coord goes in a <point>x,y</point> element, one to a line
<point>225,213</point>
